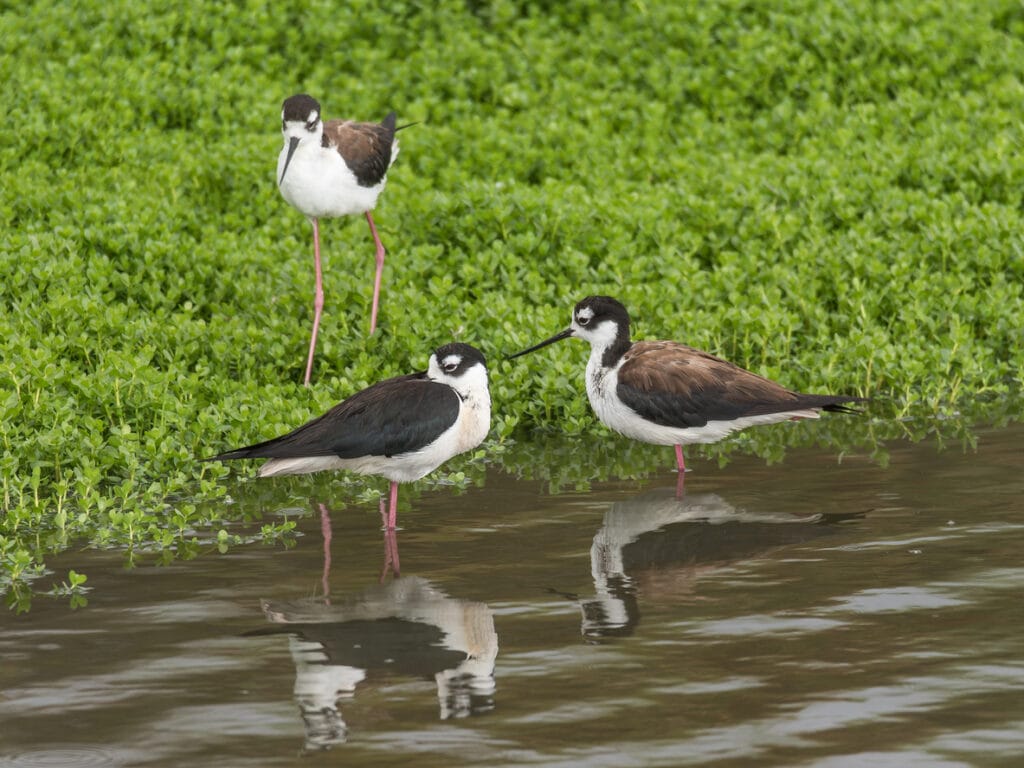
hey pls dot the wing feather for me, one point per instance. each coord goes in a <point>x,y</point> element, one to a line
<point>392,417</point>
<point>675,385</point>
<point>366,147</point>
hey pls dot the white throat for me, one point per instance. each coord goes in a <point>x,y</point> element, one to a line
<point>600,337</point>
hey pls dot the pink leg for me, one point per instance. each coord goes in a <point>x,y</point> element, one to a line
<point>325,529</point>
<point>680,464</point>
<point>377,276</point>
<point>318,300</point>
<point>392,508</point>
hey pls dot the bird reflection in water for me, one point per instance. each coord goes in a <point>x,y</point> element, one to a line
<point>391,562</point>
<point>662,541</point>
<point>405,627</point>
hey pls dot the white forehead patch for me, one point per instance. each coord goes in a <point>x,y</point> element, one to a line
<point>452,361</point>
<point>585,314</point>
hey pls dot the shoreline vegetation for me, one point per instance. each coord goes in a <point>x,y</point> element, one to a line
<point>828,194</point>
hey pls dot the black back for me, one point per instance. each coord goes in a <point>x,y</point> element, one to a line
<point>389,418</point>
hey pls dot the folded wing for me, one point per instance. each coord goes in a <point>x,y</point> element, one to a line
<point>678,386</point>
<point>392,417</point>
<point>366,147</point>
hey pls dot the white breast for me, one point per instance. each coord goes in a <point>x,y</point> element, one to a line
<point>602,386</point>
<point>320,184</point>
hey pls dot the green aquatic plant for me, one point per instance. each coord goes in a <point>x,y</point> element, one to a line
<point>74,589</point>
<point>826,193</point>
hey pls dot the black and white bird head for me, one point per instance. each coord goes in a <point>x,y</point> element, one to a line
<point>461,367</point>
<point>600,320</point>
<point>300,123</point>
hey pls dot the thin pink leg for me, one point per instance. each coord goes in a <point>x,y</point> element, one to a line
<point>680,464</point>
<point>377,276</point>
<point>325,529</point>
<point>390,539</point>
<point>318,300</point>
<point>393,507</point>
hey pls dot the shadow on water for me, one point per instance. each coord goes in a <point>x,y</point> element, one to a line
<point>813,612</point>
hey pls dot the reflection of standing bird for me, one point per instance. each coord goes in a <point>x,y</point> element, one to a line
<point>333,168</point>
<point>657,543</point>
<point>400,428</point>
<point>667,393</point>
<point>406,627</point>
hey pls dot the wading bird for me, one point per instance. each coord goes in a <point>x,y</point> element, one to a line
<point>333,168</point>
<point>400,428</point>
<point>666,393</point>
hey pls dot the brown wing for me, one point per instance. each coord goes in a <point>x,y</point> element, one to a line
<point>678,386</point>
<point>365,147</point>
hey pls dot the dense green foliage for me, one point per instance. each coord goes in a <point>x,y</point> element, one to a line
<point>827,193</point>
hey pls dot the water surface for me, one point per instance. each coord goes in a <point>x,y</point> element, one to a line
<point>813,612</point>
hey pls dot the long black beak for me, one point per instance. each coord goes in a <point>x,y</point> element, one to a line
<point>557,337</point>
<point>293,142</point>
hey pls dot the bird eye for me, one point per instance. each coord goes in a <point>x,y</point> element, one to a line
<point>311,126</point>
<point>583,320</point>
<point>450,367</point>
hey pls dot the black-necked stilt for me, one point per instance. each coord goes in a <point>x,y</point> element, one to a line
<point>400,428</point>
<point>667,393</point>
<point>333,168</point>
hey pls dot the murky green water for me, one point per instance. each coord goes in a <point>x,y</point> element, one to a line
<point>809,614</point>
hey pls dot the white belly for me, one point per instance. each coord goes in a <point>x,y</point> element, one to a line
<point>319,184</point>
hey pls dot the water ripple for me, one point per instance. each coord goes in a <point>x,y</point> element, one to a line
<point>763,624</point>
<point>894,600</point>
<point>82,756</point>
